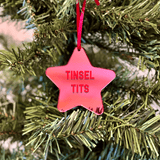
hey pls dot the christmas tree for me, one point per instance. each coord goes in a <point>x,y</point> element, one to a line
<point>120,35</point>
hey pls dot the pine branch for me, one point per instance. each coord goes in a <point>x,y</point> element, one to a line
<point>87,129</point>
<point>117,151</point>
<point>19,154</point>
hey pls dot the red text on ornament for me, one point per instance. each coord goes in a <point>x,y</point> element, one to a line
<point>79,88</point>
<point>75,75</point>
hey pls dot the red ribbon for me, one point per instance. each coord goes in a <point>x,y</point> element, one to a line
<point>80,21</point>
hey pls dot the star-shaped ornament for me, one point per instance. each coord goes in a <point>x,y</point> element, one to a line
<point>80,83</point>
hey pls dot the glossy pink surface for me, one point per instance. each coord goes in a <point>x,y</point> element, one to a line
<point>80,83</point>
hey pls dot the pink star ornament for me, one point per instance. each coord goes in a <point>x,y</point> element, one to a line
<point>80,83</point>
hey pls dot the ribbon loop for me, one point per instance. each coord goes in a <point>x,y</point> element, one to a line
<point>80,21</point>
